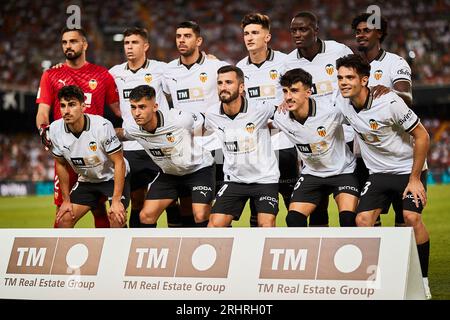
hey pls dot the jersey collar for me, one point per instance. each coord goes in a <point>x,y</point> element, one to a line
<point>380,56</point>
<point>200,61</point>
<point>144,66</point>
<point>86,127</point>
<point>244,108</point>
<point>367,103</point>
<point>312,110</point>
<point>270,56</point>
<point>159,122</point>
<point>321,49</point>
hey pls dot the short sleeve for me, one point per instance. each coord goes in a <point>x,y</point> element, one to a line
<point>400,71</point>
<point>402,115</point>
<point>110,141</point>
<point>56,150</point>
<point>45,92</point>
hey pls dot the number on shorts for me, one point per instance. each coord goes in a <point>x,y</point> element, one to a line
<point>222,190</point>
<point>366,187</point>
<point>299,182</point>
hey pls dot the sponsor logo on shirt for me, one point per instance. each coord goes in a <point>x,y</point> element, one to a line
<point>126,93</point>
<point>232,146</point>
<point>404,72</point>
<point>78,162</point>
<point>304,148</point>
<point>110,140</point>
<point>156,152</point>
<point>406,117</point>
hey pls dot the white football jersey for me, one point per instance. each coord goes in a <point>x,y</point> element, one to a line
<point>194,89</point>
<point>387,69</point>
<point>246,144</point>
<point>172,146</point>
<point>88,153</point>
<point>151,73</point>
<point>323,71</point>
<point>382,128</point>
<point>320,140</point>
<point>262,83</point>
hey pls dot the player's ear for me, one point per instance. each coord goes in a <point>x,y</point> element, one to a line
<point>364,80</point>
<point>146,46</point>
<point>267,37</point>
<point>155,106</point>
<point>85,44</point>
<point>199,41</point>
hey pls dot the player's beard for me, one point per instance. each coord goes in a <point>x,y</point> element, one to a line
<point>233,96</point>
<point>362,48</point>
<point>188,53</point>
<point>72,55</point>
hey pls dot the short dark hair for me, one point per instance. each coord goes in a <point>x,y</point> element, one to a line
<point>364,17</point>
<point>230,68</point>
<point>191,25</point>
<point>137,31</point>
<point>309,15</point>
<point>71,91</point>
<point>81,31</point>
<point>296,75</point>
<point>256,18</point>
<point>142,91</point>
<point>356,62</point>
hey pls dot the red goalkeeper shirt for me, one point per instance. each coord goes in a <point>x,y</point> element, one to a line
<point>96,82</point>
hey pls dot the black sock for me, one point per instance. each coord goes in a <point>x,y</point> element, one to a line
<point>188,222</point>
<point>296,219</point>
<point>203,224</point>
<point>134,218</point>
<point>424,257</point>
<point>253,214</point>
<point>145,225</point>
<point>173,216</point>
<point>347,219</point>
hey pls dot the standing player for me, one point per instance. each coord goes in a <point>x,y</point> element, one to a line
<point>138,70</point>
<point>98,87</point>
<point>316,128</point>
<point>250,166</point>
<point>167,136</point>
<point>89,145</point>
<point>190,81</point>
<point>388,71</point>
<point>318,58</point>
<point>262,70</point>
<point>394,146</point>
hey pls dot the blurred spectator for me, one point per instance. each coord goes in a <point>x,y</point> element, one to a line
<point>29,31</point>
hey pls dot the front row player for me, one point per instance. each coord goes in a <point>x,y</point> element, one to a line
<point>168,138</point>
<point>250,167</point>
<point>316,129</point>
<point>87,143</point>
<point>394,146</point>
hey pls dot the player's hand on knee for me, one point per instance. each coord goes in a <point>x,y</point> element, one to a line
<point>416,188</point>
<point>118,212</point>
<point>58,65</point>
<point>45,138</point>
<point>66,208</point>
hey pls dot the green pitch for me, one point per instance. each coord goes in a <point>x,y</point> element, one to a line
<point>38,212</point>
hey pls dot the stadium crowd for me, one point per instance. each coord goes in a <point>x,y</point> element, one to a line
<point>30,31</point>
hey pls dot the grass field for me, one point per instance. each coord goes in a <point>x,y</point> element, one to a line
<point>38,212</point>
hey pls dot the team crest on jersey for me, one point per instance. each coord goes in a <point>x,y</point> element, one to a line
<point>250,127</point>
<point>203,77</point>
<point>329,68</point>
<point>273,74</point>
<point>373,124</point>
<point>92,84</point>
<point>148,78</point>
<point>321,131</point>
<point>93,146</point>
<point>378,74</point>
<point>170,137</point>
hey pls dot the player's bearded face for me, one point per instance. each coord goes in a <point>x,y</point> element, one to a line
<point>71,54</point>
<point>365,37</point>
<point>228,94</point>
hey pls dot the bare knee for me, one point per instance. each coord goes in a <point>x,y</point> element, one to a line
<point>148,216</point>
<point>413,219</point>
<point>219,221</point>
<point>363,220</point>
